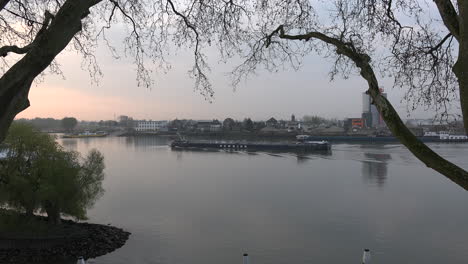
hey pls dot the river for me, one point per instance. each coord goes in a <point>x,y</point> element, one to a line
<point>209,207</point>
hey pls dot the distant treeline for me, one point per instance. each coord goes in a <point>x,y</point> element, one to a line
<point>68,124</point>
<point>43,123</point>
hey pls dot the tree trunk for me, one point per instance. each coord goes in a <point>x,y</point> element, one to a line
<point>53,213</point>
<point>3,3</point>
<point>406,137</point>
<point>16,82</point>
<point>385,108</point>
<point>461,67</point>
<point>29,212</point>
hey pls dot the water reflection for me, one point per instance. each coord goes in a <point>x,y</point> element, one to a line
<point>146,141</point>
<point>302,159</point>
<point>375,168</point>
<point>70,143</point>
<point>299,156</point>
<point>204,207</point>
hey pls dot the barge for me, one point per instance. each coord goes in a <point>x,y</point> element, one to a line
<point>252,146</point>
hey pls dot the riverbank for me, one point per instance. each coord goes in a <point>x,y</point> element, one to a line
<point>220,135</point>
<point>288,137</point>
<point>35,241</point>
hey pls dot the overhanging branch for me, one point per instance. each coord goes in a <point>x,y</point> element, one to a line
<point>345,48</point>
<point>436,47</point>
<point>385,108</point>
<point>50,40</point>
<point>116,5</point>
<point>22,50</point>
<point>187,23</point>
<point>15,49</point>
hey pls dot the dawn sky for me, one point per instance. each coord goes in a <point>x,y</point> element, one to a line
<point>305,92</point>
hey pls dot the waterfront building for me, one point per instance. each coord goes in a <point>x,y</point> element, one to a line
<point>355,122</point>
<point>209,126</point>
<point>293,125</point>
<point>126,121</point>
<point>370,114</point>
<point>151,126</point>
<point>283,124</point>
<point>352,124</point>
<point>272,122</point>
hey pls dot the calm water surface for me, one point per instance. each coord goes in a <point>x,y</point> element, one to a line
<point>194,207</point>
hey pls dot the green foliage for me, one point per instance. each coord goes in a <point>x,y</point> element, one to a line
<point>43,123</point>
<point>38,174</point>
<point>69,123</point>
<point>20,174</point>
<point>228,124</point>
<point>71,187</point>
<point>248,124</point>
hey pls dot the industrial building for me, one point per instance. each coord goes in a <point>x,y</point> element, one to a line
<point>370,114</point>
<point>151,126</point>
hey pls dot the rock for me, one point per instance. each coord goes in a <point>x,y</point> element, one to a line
<point>91,241</point>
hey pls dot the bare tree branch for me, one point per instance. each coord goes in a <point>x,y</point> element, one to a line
<point>411,47</point>
<point>390,116</point>
<point>436,47</point>
<point>15,49</point>
<point>16,82</point>
<point>116,5</point>
<point>200,65</point>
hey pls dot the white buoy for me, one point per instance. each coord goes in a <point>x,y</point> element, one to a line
<point>81,260</point>
<point>246,258</point>
<point>366,257</point>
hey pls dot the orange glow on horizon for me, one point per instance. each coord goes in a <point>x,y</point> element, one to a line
<point>59,102</point>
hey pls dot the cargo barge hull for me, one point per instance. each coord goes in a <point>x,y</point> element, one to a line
<point>306,146</point>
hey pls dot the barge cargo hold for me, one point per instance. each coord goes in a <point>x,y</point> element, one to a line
<point>300,146</point>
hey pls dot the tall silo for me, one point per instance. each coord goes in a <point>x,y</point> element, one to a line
<point>365,103</point>
<point>366,109</point>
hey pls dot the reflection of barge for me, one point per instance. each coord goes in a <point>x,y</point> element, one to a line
<point>251,146</point>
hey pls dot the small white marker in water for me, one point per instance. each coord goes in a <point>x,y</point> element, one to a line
<point>81,260</point>
<point>366,258</point>
<point>246,258</point>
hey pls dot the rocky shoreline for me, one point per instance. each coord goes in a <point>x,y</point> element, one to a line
<point>93,240</point>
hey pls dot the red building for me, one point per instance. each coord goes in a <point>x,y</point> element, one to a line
<point>356,122</point>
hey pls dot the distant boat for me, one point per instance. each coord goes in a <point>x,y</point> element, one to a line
<point>86,134</point>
